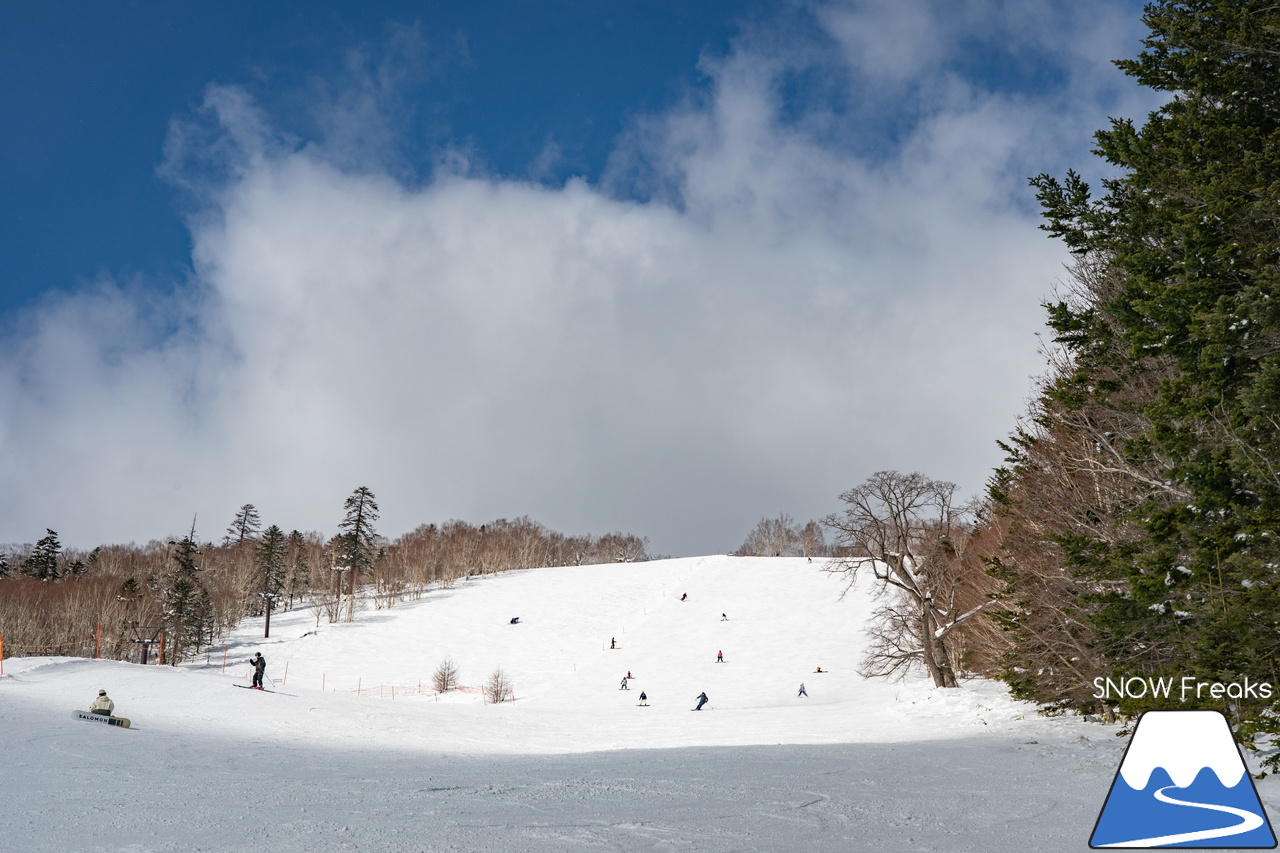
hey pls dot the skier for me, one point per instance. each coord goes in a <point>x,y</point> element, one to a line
<point>628,675</point>
<point>684,596</point>
<point>719,657</point>
<point>259,667</point>
<point>802,693</point>
<point>702,700</point>
<point>724,618</point>
<point>644,700</point>
<point>102,705</point>
<point>624,685</point>
<point>613,642</point>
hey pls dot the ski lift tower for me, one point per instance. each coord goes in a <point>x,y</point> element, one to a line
<point>146,636</point>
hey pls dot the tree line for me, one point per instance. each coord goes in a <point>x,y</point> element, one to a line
<point>52,599</point>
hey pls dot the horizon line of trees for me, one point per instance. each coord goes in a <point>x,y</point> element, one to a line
<point>52,599</point>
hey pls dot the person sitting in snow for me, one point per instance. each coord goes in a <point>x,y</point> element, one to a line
<point>819,669</point>
<point>259,664</point>
<point>702,700</point>
<point>515,620</point>
<point>102,705</point>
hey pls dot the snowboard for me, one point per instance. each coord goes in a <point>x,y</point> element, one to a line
<point>99,718</point>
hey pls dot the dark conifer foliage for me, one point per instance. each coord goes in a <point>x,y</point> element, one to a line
<point>246,526</point>
<point>186,606</point>
<point>43,563</point>
<point>1150,465</point>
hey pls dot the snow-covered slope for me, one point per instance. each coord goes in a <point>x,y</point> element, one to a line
<point>369,681</point>
<point>574,762</point>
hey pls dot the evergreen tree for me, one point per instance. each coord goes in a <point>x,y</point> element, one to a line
<point>359,540</point>
<point>1176,341</point>
<point>246,526</point>
<point>42,562</point>
<point>271,551</point>
<point>185,603</point>
<point>299,579</point>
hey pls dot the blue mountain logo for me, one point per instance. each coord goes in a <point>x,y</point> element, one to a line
<point>1183,783</point>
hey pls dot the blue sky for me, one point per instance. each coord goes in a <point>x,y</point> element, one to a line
<point>654,266</point>
<point>89,89</point>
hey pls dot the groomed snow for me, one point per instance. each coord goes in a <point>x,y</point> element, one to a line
<point>574,763</point>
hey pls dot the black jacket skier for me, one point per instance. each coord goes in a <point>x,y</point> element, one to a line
<point>259,667</point>
<point>702,700</point>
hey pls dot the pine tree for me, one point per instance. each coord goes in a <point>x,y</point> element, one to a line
<point>42,562</point>
<point>299,569</point>
<point>1176,341</point>
<point>246,526</point>
<point>271,554</point>
<point>186,606</point>
<point>359,540</point>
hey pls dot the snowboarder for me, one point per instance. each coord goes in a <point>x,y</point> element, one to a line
<point>515,620</point>
<point>102,705</point>
<point>644,699</point>
<point>719,657</point>
<point>683,596</point>
<point>819,669</point>
<point>624,685</point>
<point>259,664</point>
<point>702,700</point>
<point>724,618</point>
<point>613,642</point>
<point>802,693</point>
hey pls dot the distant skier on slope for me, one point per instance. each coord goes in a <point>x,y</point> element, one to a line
<point>515,620</point>
<point>720,657</point>
<point>684,596</point>
<point>802,692</point>
<point>102,705</point>
<point>624,685</point>
<point>724,617</point>
<point>259,664</point>
<point>644,699</point>
<point>702,700</point>
<point>613,642</point>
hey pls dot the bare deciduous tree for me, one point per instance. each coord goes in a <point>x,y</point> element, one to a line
<point>498,688</point>
<point>446,676</point>
<point>913,537</point>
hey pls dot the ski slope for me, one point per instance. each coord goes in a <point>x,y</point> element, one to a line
<point>356,752</point>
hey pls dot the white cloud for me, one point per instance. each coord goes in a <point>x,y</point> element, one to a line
<point>785,317</point>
